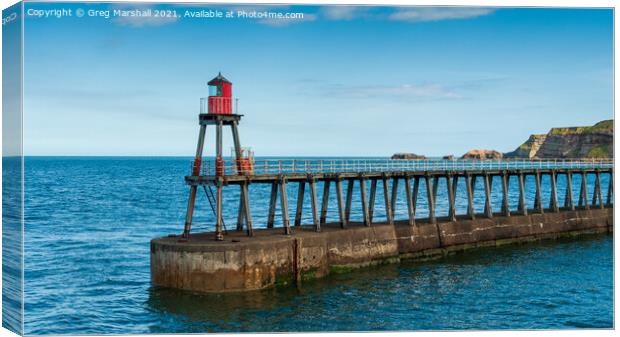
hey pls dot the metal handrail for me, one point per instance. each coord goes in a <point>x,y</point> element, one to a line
<point>307,166</point>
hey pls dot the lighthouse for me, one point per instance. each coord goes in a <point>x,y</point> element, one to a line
<point>216,110</point>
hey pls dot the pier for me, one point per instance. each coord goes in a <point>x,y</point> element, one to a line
<point>289,250</point>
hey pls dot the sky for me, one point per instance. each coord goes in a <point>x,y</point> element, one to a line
<point>342,81</point>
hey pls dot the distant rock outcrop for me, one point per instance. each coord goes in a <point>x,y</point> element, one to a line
<point>482,154</point>
<point>572,142</point>
<point>407,156</point>
<point>448,157</point>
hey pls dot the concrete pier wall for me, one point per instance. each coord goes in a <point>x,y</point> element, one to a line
<point>248,263</point>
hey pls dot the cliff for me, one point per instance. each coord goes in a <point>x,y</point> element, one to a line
<point>571,142</point>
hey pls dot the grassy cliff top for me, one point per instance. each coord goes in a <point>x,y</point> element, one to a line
<point>606,126</point>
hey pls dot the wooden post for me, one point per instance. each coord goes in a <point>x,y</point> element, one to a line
<point>598,195</point>
<point>489,205</point>
<point>371,201</point>
<point>568,199</point>
<point>410,211</point>
<point>325,200</point>
<point>451,199</point>
<point>343,220</point>
<point>241,213</point>
<point>431,199</point>
<point>522,203</point>
<point>284,205</point>
<point>242,190</point>
<point>190,211</point>
<point>469,186</point>
<point>246,207</point>
<point>435,187</point>
<point>394,194</point>
<point>219,235</point>
<point>347,208</point>
<point>314,202</point>
<point>192,190</point>
<point>553,203</point>
<point>610,188</point>
<point>538,199</point>
<point>272,204</point>
<point>300,202</point>
<point>488,210</point>
<point>364,202</point>
<point>583,195</point>
<point>386,195</point>
<point>414,199</point>
<point>505,185</point>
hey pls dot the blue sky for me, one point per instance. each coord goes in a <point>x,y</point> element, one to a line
<point>356,81</point>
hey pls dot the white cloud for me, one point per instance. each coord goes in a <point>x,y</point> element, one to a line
<point>423,14</point>
<point>343,12</point>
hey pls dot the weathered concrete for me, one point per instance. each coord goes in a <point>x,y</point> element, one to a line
<point>242,263</point>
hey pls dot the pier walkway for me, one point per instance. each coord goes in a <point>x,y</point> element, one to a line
<point>338,172</point>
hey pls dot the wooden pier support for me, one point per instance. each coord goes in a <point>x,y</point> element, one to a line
<point>610,189</point>
<point>273,198</point>
<point>325,201</point>
<point>371,202</point>
<point>583,194</point>
<point>505,185</point>
<point>469,186</point>
<point>451,198</point>
<point>284,204</point>
<point>394,195</point>
<point>314,203</point>
<point>568,198</point>
<point>343,219</point>
<point>431,199</point>
<point>538,205</point>
<point>365,214</point>
<point>553,201</point>
<point>300,202</point>
<point>411,199</point>
<point>488,209</point>
<point>349,200</point>
<point>386,197</point>
<point>522,203</point>
<point>245,197</point>
<point>597,198</point>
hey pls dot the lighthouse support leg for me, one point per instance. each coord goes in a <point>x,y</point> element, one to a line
<point>192,192</point>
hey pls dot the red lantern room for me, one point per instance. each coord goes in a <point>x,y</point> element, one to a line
<point>220,95</point>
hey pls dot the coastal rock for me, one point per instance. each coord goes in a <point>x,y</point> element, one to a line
<point>408,156</point>
<point>571,142</point>
<point>482,154</point>
<point>448,157</point>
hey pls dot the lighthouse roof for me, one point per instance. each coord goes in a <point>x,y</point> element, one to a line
<point>219,79</point>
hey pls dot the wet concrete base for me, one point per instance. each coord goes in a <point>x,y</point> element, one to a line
<point>241,263</point>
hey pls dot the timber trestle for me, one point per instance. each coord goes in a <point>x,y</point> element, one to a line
<point>346,184</point>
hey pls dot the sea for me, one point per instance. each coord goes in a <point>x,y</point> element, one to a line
<point>89,221</point>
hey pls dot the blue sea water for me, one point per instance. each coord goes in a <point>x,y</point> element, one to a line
<point>89,220</point>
